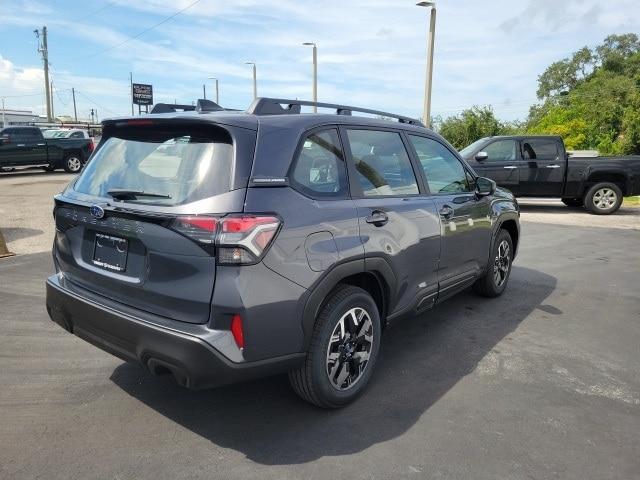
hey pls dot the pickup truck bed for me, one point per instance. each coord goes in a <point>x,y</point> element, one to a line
<point>26,146</point>
<point>539,166</point>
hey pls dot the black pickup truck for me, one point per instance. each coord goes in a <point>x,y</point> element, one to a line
<point>27,147</point>
<point>539,166</point>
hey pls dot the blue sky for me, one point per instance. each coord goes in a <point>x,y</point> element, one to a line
<point>371,53</point>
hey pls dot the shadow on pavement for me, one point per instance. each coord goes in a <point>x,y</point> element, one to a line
<point>31,172</point>
<point>561,209</point>
<point>12,234</point>
<point>422,358</point>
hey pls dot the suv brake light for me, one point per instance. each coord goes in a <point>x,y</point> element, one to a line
<point>239,240</point>
<point>244,239</point>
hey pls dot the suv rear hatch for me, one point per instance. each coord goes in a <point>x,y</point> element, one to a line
<point>138,224</point>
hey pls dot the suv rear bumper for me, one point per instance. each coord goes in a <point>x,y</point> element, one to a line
<point>176,348</point>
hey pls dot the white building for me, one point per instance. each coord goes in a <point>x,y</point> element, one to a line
<point>18,117</point>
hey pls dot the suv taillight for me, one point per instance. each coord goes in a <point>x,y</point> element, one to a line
<point>239,240</point>
<point>244,239</point>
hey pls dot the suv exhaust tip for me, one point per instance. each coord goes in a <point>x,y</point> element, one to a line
<point>160,368</point>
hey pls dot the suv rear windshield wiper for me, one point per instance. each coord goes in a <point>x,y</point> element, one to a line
<point>123,194</point>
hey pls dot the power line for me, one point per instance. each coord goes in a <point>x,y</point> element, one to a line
<point>95,11</point>
<point>95,103</point>
<point>165,20</point>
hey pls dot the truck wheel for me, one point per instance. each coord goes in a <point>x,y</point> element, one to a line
<point>573,202</point>
<point>343,350</point>
<point>603,198</point>
<point>72,163</point>
<point>494,281</point>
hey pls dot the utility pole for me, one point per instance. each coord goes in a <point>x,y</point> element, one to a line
<point>131,83</point>
<point>3,122</point>
<point>204,91</point>
<point>44,50</point>
<point>75,111</point>
<point>53,115</point>
<point>92,114</point>
<point>217,96</point>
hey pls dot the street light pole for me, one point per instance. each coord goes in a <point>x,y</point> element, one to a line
<point>315,74</point>
<point>217,96</point>
<point>255,82</point>
<point>426,115</point>
<point>3,122</point>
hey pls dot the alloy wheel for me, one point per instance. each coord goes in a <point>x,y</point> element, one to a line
<point>349,348</point>
<point>604,198</point>
<point>501,264</point>
<point>74,164</point>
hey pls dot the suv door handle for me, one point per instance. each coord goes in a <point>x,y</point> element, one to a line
<point>446,211</point>
<point>553,166</point>
<point>510,167</point>
<point>377,218</point>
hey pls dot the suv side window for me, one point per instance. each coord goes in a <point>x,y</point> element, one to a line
<point>501,151</point>
<point>444,172</point>
<point>539,149</point>
<point>319,169</point>
<point>382,164</point>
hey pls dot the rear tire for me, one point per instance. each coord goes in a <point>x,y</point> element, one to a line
<point>573,202</point>
<point>495,280</point>
<point>603,198</point>
<point>72,163</point>
<point>343,350</point>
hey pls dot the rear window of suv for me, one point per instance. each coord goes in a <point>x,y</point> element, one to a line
<point>176,165</point>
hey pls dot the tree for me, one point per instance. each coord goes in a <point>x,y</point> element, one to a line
<point>471,125</point>
<point>566,74</point>
<point>592,99</point>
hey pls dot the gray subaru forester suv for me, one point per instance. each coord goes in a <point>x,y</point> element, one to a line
<point>219,246</point>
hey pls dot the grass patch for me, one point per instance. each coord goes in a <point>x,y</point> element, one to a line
<point>631,202</point>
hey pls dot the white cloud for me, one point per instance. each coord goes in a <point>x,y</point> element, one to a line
<point>370,52</point>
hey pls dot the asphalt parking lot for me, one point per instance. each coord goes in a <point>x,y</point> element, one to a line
<point>543,382</point>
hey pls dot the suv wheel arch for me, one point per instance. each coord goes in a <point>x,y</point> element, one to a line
<point>378,279</point>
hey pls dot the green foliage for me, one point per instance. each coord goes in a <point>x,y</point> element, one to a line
<point>592,99</point>
<point>566,74</point>
<point>471,125</point>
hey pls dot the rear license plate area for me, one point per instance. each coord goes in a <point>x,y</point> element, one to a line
<point>110,252</point>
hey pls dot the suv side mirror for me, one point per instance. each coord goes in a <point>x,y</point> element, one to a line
<point>482,156</point>
<point>485,186</point>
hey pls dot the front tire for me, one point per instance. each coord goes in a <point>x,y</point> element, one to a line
<point>343,350</point>
<point>72,163</point>
<point>603,198</point>
<point>494,281</point>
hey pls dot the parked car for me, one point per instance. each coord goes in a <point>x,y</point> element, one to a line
<point>539,166</point>
<point>271,242</point>
<point>27,147</point>
<point>65,133</point>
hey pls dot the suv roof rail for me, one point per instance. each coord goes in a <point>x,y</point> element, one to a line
<point>282,106</point>
<point>202,105</point>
